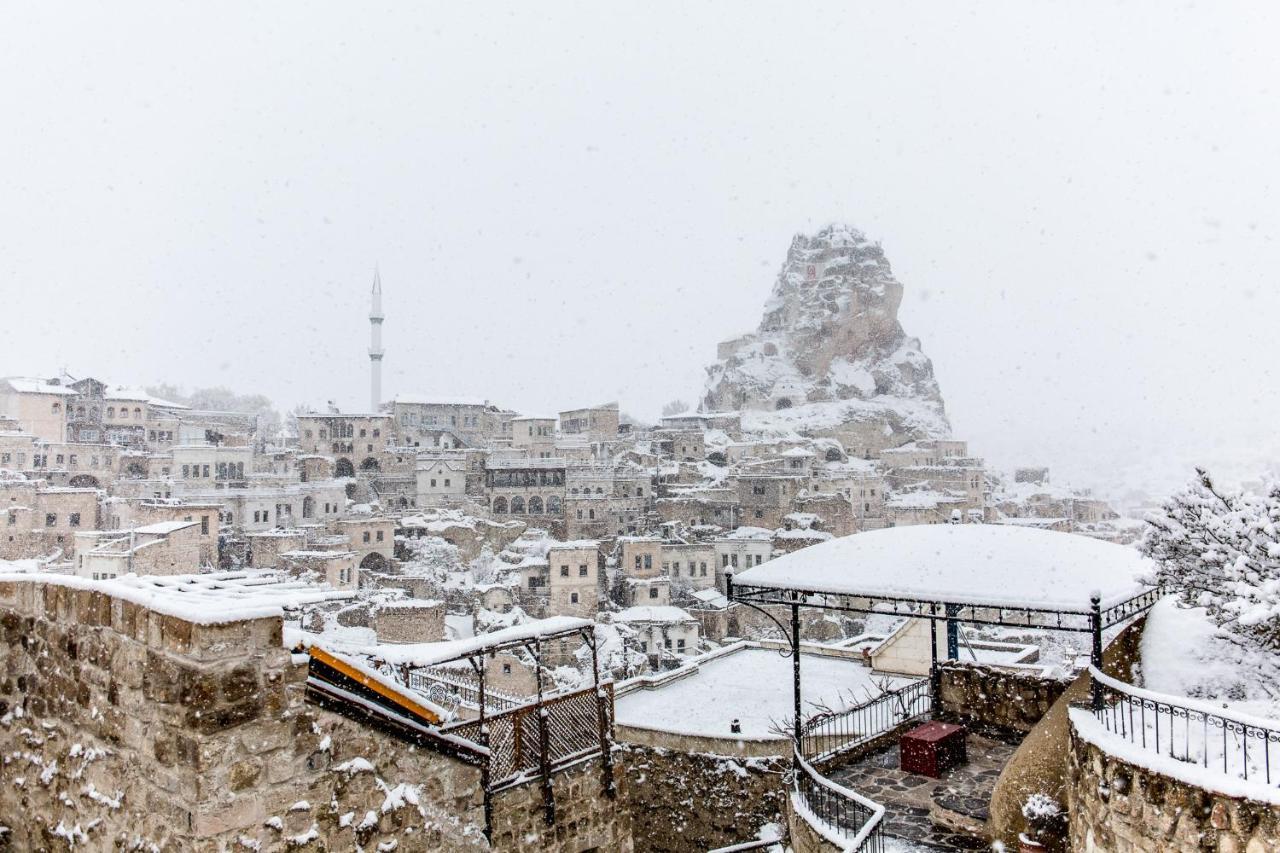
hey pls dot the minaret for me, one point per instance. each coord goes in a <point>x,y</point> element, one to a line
<point>375,344</point>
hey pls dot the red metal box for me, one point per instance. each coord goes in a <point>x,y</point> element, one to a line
<point>932,749</point>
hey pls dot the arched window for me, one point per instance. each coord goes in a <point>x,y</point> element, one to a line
<point>344,468</point>
<point>554,505</point>
<point>517,505</point>
<point>137,414</point>
<point>57,408</point>
<point>79,411</point>
<point>535,505</point>
<point>111,411</point>
<point>93,413</point>
<point>599,490</point>
<point>833,455</point>
<point>499,506</point>
<point>308,507</point>
<point>783,403</point>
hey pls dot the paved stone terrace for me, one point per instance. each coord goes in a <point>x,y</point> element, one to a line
<point>908,798</point>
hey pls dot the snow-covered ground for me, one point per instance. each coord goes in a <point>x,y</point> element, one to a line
<point>1184,654</point>
<point>753,686</point>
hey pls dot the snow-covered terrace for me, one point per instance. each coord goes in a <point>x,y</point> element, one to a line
<point>204,599</point>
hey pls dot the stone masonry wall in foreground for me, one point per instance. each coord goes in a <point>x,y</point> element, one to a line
<point>123,728</point>
<point>1118,807</point>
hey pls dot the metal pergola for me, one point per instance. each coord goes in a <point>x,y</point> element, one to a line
<point>1090,619</point>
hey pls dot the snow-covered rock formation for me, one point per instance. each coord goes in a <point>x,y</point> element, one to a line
<point>830,351</point>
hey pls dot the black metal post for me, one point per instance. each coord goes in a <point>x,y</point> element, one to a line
<point>544,757</point>
<point>602,718</point>
<point>953,632</point>
<point>1095,656</point>
<point>935,673</point>
<point>795,669</point>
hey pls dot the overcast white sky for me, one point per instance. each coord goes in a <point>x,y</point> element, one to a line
<point>572,204</point>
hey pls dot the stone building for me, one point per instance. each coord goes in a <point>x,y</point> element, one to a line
<point>354,441</point>
<point>205,466</point>
<point>339,569</point>
<point>690,565</point>
<point>441,480</point>
<point>162,548</point>
<point>663,633</point>
<point>372,540</point>
<point>528,489</point>
<point>595,423</point>
<point>640,556</point>
<point>477,422</point>
<point>534,436</point>
<point>39,406</point>
<point>574,578</point>
<point>766,498</point>
<point>409,621</point>
<point>42,521</point>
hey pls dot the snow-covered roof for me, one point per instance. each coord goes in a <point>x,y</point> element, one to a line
<point>205,599</point>
<point>969,564</point>
<point>439,400</point>
<point>430,654</point>
<point>164,528</point>
<point>654,613</point>
<point>26,385</point>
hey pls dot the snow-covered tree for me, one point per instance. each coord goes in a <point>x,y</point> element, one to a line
<point>1220,550</point>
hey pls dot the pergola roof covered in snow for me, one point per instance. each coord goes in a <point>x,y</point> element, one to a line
<point>963,565</point>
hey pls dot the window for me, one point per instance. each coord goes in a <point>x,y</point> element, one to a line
<point>582,570</point>
<point>724,561</point>
<point>433,483</point>
<point>380,534</point>
<point>13,517</point>
<point>366,536</point>
<point>111,411</point>
<point>733,560</point>
<point>446,483</point>
<point>50,519</point>
<point>74,519</point>
<point>205,469</point>
<point>564,571</point>
<point>573,598</point>
<point>759,513</point>
<point>506,669</point>
<point>680,645</point>
<point>653,592</point>
<point>648,561</point>
<point>666,642</point>
<point>759,559</point>
<point>204,525</point>
<point>639,562</point>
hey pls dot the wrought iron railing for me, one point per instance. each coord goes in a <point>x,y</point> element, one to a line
<point>828,735</point>
<point>840,815</point>
<point>1189,730</point>
<point>445,686</point>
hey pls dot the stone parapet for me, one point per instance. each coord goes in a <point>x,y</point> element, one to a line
<point>1119,807</point>
<point>997,697</point>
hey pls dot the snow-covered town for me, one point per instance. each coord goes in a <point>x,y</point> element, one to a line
<point>400,560</point>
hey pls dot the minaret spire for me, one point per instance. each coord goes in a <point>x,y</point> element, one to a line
<point>375,343</point>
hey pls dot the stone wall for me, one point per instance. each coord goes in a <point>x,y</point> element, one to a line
<point>1005,699</point>
<point>410,622</point>
<point>681,801</point>
<point>124,728</point>
<point>586,818</point>
<point>1118,807</point>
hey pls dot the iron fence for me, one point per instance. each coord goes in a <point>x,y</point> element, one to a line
<point>827,735</point>
<point>446,685</point>
<point>1190,731</point>
<point>839,814</point>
